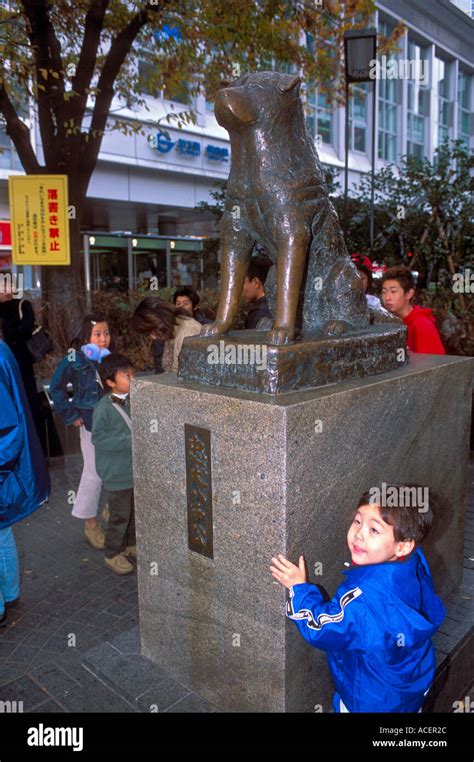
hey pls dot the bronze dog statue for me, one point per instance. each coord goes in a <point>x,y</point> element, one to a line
<point>276,196</point>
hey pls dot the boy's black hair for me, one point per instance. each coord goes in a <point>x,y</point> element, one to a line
<point>83,333</point>
<point>258,267</point>
<point>111,364</point>
<point>410,522</point>
<point>190,293</point>
<point>402,274</point>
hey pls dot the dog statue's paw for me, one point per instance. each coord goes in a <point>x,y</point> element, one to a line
<point>279,336</point>
<point>335,327</point>
<point>213,329</point>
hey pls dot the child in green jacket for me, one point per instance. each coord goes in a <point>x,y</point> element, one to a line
<point>112,439</point>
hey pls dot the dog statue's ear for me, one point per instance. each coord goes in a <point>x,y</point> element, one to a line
<point>293,83</point>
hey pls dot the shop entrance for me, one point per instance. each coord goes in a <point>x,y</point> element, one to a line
<point>122,261</point>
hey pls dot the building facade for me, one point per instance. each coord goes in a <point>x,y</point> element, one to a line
<point>141,218</point>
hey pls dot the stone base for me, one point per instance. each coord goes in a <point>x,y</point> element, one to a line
<point>284,475</point>
<point>242,359</point>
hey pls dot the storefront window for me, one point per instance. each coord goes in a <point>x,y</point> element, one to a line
<point>150,265</point>
<point>109,270</point>
<point>111,256</point>
<point>186,270</point>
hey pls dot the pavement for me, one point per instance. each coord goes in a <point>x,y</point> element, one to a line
<point>72,643</point>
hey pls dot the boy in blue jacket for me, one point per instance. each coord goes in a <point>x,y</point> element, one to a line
<point>377,629</point>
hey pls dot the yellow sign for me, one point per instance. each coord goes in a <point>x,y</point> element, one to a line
<point>39,219</point>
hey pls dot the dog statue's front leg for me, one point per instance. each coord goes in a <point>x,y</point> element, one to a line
<point>291,261</point>
<point>236,250</point>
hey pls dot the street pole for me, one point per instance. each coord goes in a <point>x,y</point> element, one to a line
<point>168,264</point>
<point>131,281</point>
<point>346,164</point>
<point>87,270</point>
<point>372,188</point>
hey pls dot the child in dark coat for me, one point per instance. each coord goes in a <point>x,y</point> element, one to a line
<point>112,440</point>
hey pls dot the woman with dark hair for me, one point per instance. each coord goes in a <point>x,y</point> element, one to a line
<point>18,322</point>
<point>162,320</point>
<point>80,369</point>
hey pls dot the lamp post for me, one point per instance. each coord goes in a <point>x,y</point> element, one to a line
<point>360,51</point>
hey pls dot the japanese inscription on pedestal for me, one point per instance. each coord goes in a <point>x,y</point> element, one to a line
<point>199,489</point>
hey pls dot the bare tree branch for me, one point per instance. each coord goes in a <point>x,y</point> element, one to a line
<point>47,52</point>
<point>119,50</point>
<point>88,57</point>
<point>19,133</point>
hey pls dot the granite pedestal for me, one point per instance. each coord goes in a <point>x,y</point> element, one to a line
<point>284,474</point>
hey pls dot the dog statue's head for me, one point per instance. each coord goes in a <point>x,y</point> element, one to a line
<point>256,98</point>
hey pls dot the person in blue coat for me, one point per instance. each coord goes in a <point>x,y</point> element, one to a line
<point>377,629</point>
<point>24,478</point>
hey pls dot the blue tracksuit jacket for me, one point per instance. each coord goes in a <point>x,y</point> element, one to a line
<point>377,633</point>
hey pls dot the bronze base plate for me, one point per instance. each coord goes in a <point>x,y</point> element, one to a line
<point>242,359</point>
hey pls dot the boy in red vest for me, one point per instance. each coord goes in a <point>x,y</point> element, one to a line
<point>398,289</point>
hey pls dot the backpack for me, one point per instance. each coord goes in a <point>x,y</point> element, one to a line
<point>40,344</point>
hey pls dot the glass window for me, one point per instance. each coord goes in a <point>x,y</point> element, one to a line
<point>5,158</point>
<point>464,106</point>
<point>388,109</point>
<point>441,83</point>
<point>147,83</point>
<point>319,116</point>
<point>9,158</point>
<point>186,270</point>
<point>358,117</point>
<point>178,92</point>
<point>416,105</point>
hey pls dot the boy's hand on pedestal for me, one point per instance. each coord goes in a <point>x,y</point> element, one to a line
<point>286,573</point>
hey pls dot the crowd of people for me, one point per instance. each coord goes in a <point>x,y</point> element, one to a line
<point>99,407</point>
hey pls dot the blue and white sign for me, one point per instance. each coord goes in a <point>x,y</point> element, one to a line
<point>163,144</point>
<point>190,148</point>
<point>216,153</point>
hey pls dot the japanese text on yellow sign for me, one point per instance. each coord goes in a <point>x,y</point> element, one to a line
<point>39,219</point>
